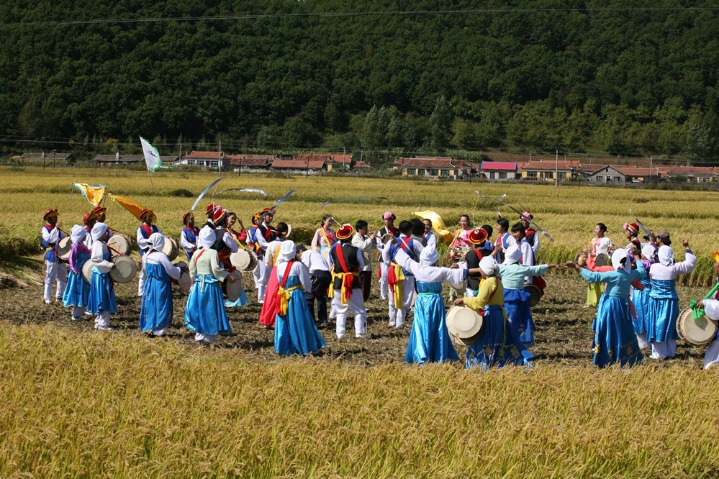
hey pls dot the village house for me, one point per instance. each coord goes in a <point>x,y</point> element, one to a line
<point>106,161</point>
<point>437,167</point>
<point>551,170</point>
<point>213,160</point>
<point>499,170</point>
<point>44,157</point>
<point>693,174</point>
<point>250,163</point>
<point>307,164</point>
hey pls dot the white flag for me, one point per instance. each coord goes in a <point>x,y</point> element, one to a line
<point>152,157</point>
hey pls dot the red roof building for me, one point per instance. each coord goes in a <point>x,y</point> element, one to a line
<point>499,170</point>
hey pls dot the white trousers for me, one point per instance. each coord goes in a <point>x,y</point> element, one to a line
<point>711,357</point>
<point>257,272</point>
<point>141,281</point>
<point>398,316</point>
<point>264,279</point>
<point>354,306</point>
<point>383,284</point>
<point>665,349</point>
<point>102,320</point>
<point>642,340</point>
<point>55,271</point>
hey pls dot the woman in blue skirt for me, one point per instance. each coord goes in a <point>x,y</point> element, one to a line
<point>642,300</point>
<point>295,330</point>
<point>205,309</point>
<point>664,302</point>
<point>77,291</point>
<point>497,343</point>
<point>156,309</point>
<point>429,340</point>
<point>101,301</point>
<point>614,338</point>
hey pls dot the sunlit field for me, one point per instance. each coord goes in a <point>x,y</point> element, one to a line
<point>80,403</point>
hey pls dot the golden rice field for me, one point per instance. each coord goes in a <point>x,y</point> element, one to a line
<point>98,405</point>
<point>78,403</point>
<point>568,213</point>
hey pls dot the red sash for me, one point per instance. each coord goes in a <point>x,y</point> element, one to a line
<point>287,273</point>
<point>348,279</point>
<point>147,229</point>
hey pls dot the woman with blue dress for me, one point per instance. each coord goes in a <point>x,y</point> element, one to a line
<point>77,290</point>
<point>205,310</point>
<point>642,298</point>
<point>516,298</point>
<point>497,343</point>
<point>101,301</point>
<point>156,308</point>
<point>295,330</point>
<point>429,340</point>
<point>614,338</point>
<point>664,302</point>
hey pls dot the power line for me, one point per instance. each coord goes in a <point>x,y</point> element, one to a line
<point>225,18</point>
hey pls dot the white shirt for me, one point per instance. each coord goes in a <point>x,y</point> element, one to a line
<point>97,253</point>
<point>156,257</point>
<point>272,248</point>
<point>366,245</point>
<point>298,269</point>
<point>314,261</point>
<point>429,274</point>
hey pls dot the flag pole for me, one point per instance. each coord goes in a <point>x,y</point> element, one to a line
<point>150,176</point>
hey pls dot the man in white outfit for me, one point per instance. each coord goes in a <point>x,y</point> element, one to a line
<point>55,270</point>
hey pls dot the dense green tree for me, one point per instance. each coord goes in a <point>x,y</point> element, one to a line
<point>575,75</point>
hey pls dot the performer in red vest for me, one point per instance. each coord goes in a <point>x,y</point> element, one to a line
<point>347,262</point>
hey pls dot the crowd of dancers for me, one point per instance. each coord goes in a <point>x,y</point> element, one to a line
<point>633,288</point>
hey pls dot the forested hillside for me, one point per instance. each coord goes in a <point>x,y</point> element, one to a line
<point>424,75</point>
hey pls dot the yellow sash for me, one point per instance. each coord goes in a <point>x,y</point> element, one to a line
<point>344,294</point>
<point>397,287</point>
<point>283,296</point>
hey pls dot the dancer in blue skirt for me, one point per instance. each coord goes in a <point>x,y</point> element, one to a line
<point>205,310</point>
<point>295,330</point>
<point>429,339</point>
<point>77,290</point>
<point>614,338</point>
<point>664,302</point>
<point>102,300</point>
<point>497,343</point>
<point>156,309</point>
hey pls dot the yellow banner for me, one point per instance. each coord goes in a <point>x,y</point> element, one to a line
<point>92,193</point>
<point>130,205</point>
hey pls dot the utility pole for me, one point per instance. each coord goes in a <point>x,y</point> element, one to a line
<point>556,168</point>
<point>219,162</point>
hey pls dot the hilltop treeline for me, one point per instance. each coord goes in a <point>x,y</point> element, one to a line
<point>573,75</point>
